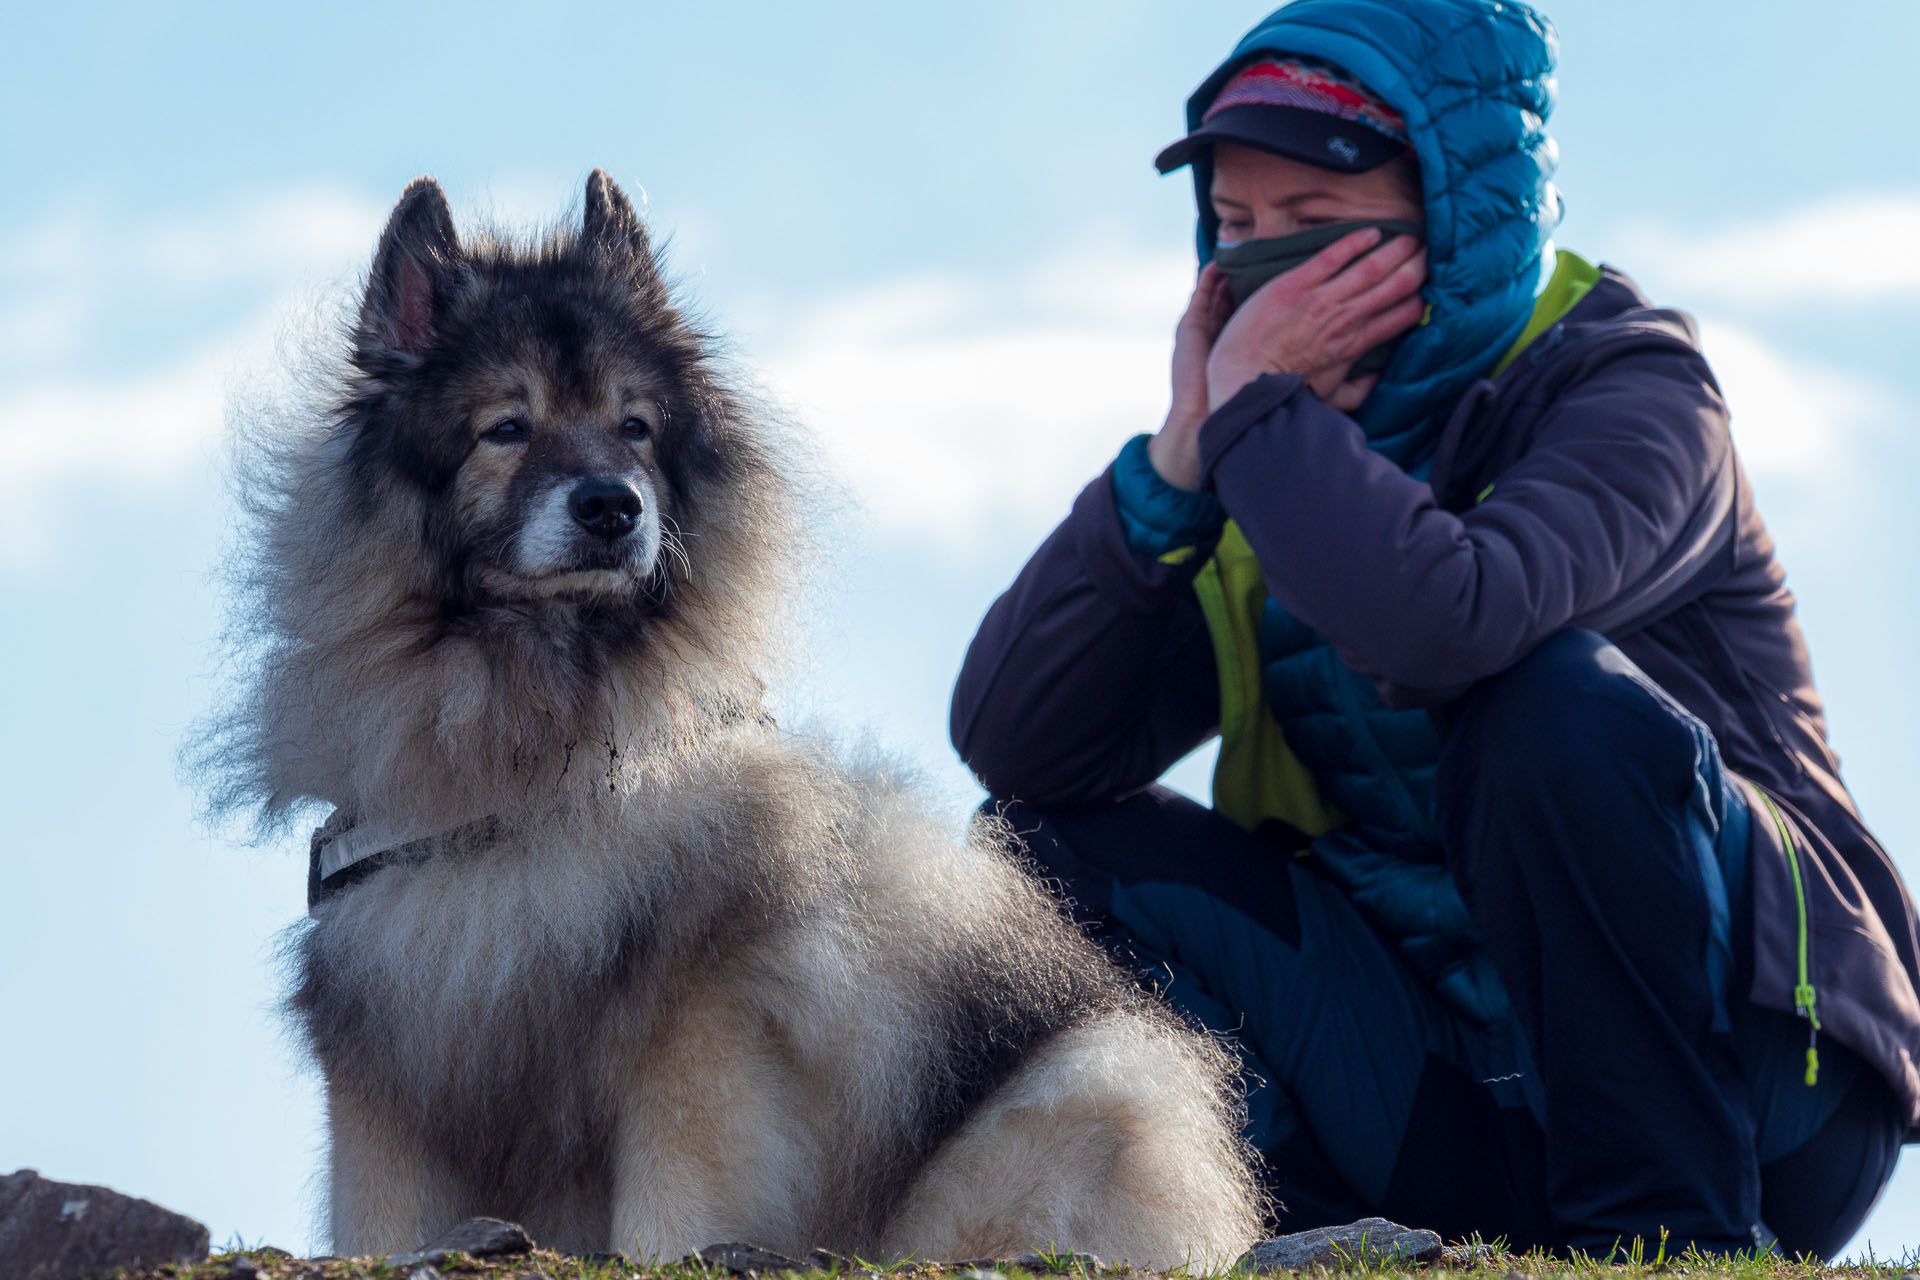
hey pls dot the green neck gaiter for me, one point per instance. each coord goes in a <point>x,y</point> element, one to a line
<point>1252,263</point>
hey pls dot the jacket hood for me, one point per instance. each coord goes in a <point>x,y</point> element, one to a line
<point>1474,81</point>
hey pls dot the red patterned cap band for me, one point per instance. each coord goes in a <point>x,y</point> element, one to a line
<point>1290,82</point>
<point>1306,111</point>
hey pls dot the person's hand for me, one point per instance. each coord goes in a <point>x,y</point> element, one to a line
<point>1320,317</point>
<point>1175,451</point>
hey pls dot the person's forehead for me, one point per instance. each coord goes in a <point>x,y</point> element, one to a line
<point>1250,171</point>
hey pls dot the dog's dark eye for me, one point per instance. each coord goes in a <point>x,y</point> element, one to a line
<point>511,429</point>
<point>636,429</point>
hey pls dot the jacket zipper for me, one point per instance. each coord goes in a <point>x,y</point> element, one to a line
<point>1803,992</point>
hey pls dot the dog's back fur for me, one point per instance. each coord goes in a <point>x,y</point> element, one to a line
<point>700,980</point>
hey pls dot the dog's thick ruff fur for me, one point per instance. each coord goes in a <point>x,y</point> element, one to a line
<point>711,983</point>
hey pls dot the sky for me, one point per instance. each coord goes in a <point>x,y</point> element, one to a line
<point>933,235</point>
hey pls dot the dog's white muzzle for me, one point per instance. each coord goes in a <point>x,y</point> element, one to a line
<point>557,552</point>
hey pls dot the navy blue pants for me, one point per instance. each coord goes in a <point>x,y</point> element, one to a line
<point>1601,850</point>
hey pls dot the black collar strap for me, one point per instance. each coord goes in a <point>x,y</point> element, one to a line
<point>345,851</point>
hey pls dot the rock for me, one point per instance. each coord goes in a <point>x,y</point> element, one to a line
<point>397,1261</point>
<point>424,1271</point>
<point>61,1230</point>
<point>1370,1240</point>
<point>14,1186</point>
<point>480,1238</point>
<point>243,1268</point>
<point>747,1259</point>
<point>1471,1255</point>
<point>1060,1262</point>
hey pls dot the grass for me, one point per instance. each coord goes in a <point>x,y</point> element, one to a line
<point>1489,1264</point>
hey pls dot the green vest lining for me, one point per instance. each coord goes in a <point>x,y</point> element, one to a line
<point>1257,776</point>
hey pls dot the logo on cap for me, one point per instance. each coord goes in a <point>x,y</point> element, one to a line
<point>1344,149</point>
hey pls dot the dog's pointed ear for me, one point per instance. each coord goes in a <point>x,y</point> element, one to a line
<point>411,270</point>
<point>612,227</point>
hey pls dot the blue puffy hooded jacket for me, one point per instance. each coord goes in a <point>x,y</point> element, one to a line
<point>1473,80</point>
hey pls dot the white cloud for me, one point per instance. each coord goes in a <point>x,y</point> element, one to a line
<point>272,237</point>
<point>146,433</point>
<point>956,407</point>
<point>60,421</point>
<point>276,238</point>
<point>70,277</point>
<point>1794,417</point>
<point>1855,249</point>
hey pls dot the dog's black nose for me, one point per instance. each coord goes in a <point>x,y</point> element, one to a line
<point>605,508</point>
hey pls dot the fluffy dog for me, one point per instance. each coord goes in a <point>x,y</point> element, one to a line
<point>594,946</point>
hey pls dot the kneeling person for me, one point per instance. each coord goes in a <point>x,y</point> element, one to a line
<point>1531,891</point>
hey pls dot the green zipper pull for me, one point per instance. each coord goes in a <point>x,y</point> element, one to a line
<point>1803,998</point>
<point>1803,993</point>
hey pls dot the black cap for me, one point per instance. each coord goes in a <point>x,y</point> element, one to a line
<point>1298,133</point>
